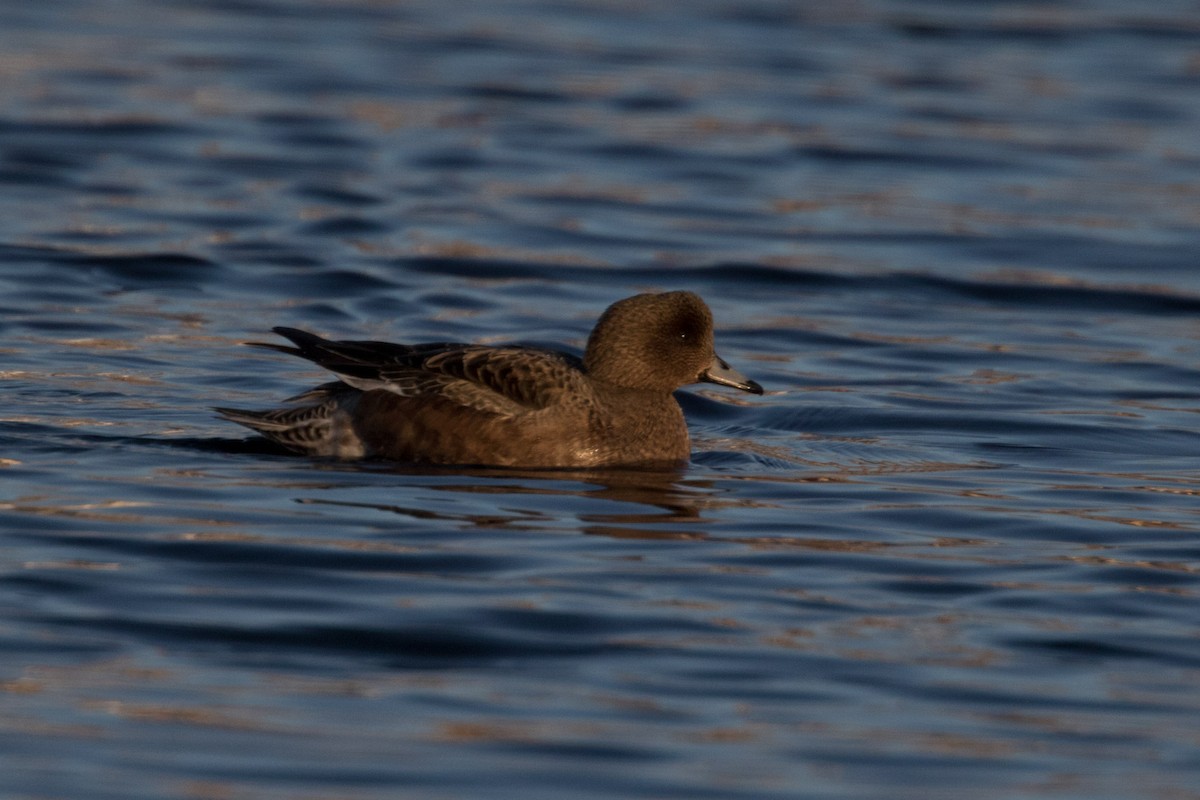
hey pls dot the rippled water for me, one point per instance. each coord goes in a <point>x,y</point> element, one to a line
<point>952,552</point>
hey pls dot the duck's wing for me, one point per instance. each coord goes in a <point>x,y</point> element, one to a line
<point>500,380</point>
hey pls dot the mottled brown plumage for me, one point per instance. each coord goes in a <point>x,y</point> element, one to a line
<point>508,406</point>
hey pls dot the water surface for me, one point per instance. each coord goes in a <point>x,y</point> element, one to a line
<point>952,552</point>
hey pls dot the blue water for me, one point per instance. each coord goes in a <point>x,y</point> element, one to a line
<point>953,552</point>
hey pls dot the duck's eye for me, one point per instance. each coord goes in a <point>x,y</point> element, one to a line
<point>684,331</point>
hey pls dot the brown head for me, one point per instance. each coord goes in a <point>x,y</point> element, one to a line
<point>659,342</point>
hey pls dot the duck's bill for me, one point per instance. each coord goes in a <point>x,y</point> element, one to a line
<point>721,373</point>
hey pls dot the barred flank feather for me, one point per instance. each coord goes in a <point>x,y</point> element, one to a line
<point>321,429</point>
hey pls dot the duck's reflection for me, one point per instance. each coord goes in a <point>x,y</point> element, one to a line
<point>645,504</point>
<point>652,504</point>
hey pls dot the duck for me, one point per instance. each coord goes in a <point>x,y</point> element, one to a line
<point>507,406</point>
